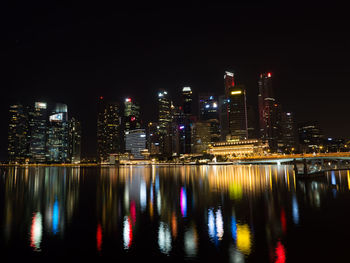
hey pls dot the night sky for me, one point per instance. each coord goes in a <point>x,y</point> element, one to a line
<point>74,53</point>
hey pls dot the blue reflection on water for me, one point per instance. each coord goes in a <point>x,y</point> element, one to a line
<point>55,217</point>
<point>295,207</point>
<point>234,227</point>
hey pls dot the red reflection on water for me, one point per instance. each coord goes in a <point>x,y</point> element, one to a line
<point>133,212</point>
<point>99,237</point>
<point>280,253</point>
<point>283,221</point>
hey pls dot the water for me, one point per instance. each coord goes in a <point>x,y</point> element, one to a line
<point>173,214</point>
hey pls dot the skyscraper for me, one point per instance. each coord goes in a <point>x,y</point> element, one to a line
<point>58,135</point>
<point>267,114</point>
<point>38,132</point>
<point>18,134</point>
<point>131,115</point>
<point>109,137</point>
<point>238,117</point>
<point>187,110</point>
<point>207,129</point>
<point>288,133</point>
<point>229,83</point>
<point>208,107</point>
<point>153,138</point>
<point>310,137</point>
<point>74,140</point>
<point>135,142</point>
<point>164,122</point>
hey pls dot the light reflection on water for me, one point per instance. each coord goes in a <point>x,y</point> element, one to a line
<point>234,213</point>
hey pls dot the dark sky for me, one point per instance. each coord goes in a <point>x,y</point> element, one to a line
<point>74,53</point>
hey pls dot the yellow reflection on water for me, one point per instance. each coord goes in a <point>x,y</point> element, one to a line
<point>243,241</point>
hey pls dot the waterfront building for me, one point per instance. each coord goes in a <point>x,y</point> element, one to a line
<point>131,115</point>
<point>109,133</point>
<point>74,140</point>
<point>209,114</point>
<point>267,111</point>
<point>208,107</point>
<point>38,132</point>
<point>58,135</point>
<point>238,118</point>
<point>310,137</point>
<point>239,148</point>
<point>135,142</point>
<point>153,138</point>
<point>224,112</point>
<point>18,134</point>
<point>288,137</point>
<point>202,136</point>
<point>177,130</point>
<point>164,123</point>
<point>187,111</point>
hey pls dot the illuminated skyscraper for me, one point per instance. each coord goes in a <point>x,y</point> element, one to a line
<point>207,129</point>
<point>131,115</point>
<point>310,137</point>
<point>187,110</point>
<point>135,142</point>
<point>238,117</point>
<point>109,137</point>
<point>58,135</point>
<point>267,113</point>
<point>18,135</point>
<point>288,133</point>
<point>229,83</point>
<point>164,122</point>
<point>74,140</point>
<point>224,105</point>
<point>38,132</point>
<point>153,144</point>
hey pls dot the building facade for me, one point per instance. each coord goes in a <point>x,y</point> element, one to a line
<point>58,135</point>
<point>18,134</point>
<point>109,135</point>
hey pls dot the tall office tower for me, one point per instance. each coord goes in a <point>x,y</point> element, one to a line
<point>202,136</point>
<point>310,137</point>
<point>131,115</point>
<point>58,135</point>
<point>229,83</point>
<point>109,133</point>
<point>238,117</point>
<point>208,107</point>
<point>252,123</point>
<point>187,110</point>
<point>224,105</point>
<point>177,130</point>
<point>209,113</point>
<point>288,133</point>
<point>187,101</point>
<point>135,142</point>
<point>153,137</point>
<point>74,140</point>
<point>224,112</point>
<point>164,122</point>
<point>18,134</point>
<point>38,132</point>
<point>267,114</point>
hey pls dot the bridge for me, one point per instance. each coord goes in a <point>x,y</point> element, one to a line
<point>304,164</point>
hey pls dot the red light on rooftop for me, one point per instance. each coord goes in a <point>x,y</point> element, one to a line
<point>101,98</point>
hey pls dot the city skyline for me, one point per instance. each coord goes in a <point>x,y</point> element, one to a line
<point>70,53</point>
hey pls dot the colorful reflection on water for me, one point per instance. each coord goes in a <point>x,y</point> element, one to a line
<point>200,213</point>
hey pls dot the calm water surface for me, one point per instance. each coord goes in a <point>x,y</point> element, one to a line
<point>173,213</point>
